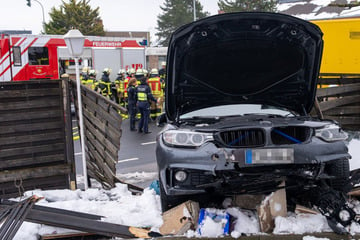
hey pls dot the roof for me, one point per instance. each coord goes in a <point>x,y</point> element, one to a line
<point>319,9</point>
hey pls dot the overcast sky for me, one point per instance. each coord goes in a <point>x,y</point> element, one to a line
<point>117,15</point>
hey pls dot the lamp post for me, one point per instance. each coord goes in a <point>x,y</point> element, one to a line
<point>75,43</point>
<point>42,8</point>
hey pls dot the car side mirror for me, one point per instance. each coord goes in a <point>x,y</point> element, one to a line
<point>162,120</point>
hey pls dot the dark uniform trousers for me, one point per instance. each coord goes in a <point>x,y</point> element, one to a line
<point>144,109</point>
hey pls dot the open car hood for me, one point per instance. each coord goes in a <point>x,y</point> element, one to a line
<point>245,57</point>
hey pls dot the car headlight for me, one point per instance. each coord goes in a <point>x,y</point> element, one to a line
<point>186,138</point>
<point>331,133</point>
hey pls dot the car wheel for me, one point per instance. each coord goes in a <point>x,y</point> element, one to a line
<point>340,169</point>
<point>167,202</point>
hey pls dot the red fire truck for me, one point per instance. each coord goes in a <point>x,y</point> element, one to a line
<point>25,57</point>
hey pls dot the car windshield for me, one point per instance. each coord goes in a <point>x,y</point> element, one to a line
<point>236,110</point>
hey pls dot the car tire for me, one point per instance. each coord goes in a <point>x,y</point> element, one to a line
<point>167,202</point>
<point>340,169</point>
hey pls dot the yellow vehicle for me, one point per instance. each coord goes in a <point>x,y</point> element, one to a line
<point>341,53</point>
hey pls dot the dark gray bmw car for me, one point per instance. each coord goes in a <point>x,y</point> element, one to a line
<point>239,90</point>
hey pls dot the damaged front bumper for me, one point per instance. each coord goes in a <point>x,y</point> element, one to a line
<point>227,171</point>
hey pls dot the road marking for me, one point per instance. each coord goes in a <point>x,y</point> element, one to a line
<point>128,160</point>
<point>147,143</point>
<point>78,153</point>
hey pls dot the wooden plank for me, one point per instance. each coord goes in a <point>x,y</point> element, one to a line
<point>105,105</point>
<point>36,137</point>
<point>31,127</point>
<point>326,105</point>
<point>47,171</point>
<point>96,174</point>
<point>8,189</point>
<point>101,114</point>
<point>98,152</point>
<point>108,174</point>
<point>340,90</point>
<point>18,93</point>
<point>344,120</point>
<point>49,149</point>
<point>52,103</point>
<point>344,110</point>
<point>30,114</point>
<point>339,80</point>
<point>108,131</point>
<point>109,157</point>
<point>108,143</point>
<point>69,235</point>
<point>32,160</point>
<point>103,102</point>
<point>100,172</point>
<point>107,102</point>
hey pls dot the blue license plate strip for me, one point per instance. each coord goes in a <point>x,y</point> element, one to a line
<point>269,156</point>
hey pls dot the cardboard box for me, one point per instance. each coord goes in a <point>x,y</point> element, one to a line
<point>247,201</point>
<point>180,219</point>
<point>272,206</point>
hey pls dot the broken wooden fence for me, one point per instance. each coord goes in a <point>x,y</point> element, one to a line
<point>339,99</point>
<point>36,148</point>
<point>102,129</point>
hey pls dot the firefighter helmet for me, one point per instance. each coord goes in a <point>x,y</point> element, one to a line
<point>154,71</point>
<point>139,72</point>
<point>85,69</point>
<point>92,72</point>
<point>107,70</point>
<point>132,71</point>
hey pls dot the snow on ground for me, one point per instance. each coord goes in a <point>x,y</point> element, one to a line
<point>119,206</point>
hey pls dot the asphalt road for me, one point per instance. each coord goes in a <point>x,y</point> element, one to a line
<point>136,155</point>
<point>137,150</point>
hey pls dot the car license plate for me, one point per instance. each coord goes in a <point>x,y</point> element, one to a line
<point>269,156</point>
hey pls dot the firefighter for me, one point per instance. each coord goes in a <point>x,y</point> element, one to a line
<point>162,75</point>
<point>130,75</point>
<point>146,73</point>
<point>119,83</point>
<point>91,79</point>
<point>105,83</point>
<point>84,76</point>
<point>157,91</point>
<point>139,74</point>
<point>144,96</point>
<point>132,99</point>
<point>162,71</point>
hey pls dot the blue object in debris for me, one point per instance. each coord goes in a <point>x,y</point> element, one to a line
<point>155,185</point>
<point>218,216</point>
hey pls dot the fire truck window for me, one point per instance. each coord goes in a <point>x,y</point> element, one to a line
<point>17,56</point>
<point>38,56</point>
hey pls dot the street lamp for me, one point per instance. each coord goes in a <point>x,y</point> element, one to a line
<point>75,43</point>
<point>42,8</point>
